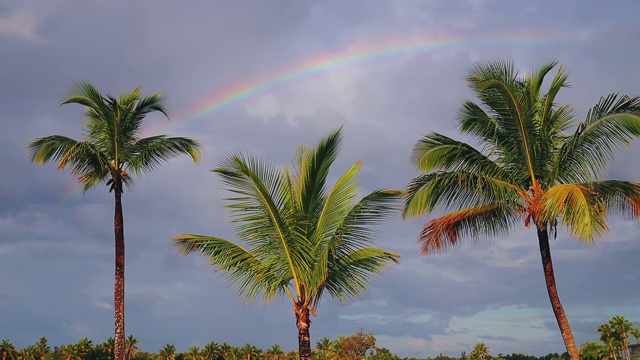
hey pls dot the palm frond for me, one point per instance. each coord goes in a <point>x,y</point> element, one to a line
<point>483,221</point>
<point>246,271</point>
<point>579,209</point>
<point>611,125</point>
<point>148,153</point>
<point>353,271</point>
<point>622,197</point>
<point>457,190</point>
<point>87,162</point>
<point>438,152</point>
<point>261,218</point>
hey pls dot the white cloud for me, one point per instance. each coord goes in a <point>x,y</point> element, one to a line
<point>21,25</point>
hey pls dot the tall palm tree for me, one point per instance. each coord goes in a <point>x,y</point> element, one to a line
<point>621,326</point>
<point>531,166</point>
<point>41,348</point>
<point>111,150</point>
<point>608,338</point>
<point>301,239</point>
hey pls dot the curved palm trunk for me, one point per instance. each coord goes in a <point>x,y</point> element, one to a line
<point>303,322</point>
<point>118,291</point>
<point>558,311</point>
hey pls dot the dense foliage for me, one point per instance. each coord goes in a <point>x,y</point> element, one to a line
<point>358,346</point>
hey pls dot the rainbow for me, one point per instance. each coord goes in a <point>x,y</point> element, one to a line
<point>386,48</point>
<point>391,47</point>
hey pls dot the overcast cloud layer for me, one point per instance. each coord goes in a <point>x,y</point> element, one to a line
<point>56,246</point>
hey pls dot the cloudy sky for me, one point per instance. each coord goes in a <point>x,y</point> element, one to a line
<point>266,76</point>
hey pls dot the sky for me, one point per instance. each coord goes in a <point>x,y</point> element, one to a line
<point>265,77</point>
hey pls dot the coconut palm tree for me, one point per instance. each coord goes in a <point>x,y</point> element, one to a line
<point>193,353</point>
<point>8,350</point>
<point>131,347</point>
<point>621,326</point>
<point>211,351</point>
<point>608,338</point>
<point>324,349</point>
<point>168,352</point>
<point>111,151</point>
<point>480,351</point>
<point>275,352</point>
<point>41,348</point>
<point>300,238</point>
<point>531,166</point>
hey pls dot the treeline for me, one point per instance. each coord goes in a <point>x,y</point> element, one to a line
<point>358,346</point>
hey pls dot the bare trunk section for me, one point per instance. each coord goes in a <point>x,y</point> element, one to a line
<point>303,322</point>
<point>558,311</point>
<point>118,291</point>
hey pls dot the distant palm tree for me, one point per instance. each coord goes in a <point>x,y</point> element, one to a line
<point>41,349</point>
<point>193,353</point>
<point>635,332</point>
<point>324,349</point>
<point>168,352</point>
<point>621,326</point>
<point>112,148</point>
<point>8,350</point>
<point>532,167</point>
<point>131,347</point>
<point>301,239</point>
<point>275,352</point>
<point>607,337</point>
<point>480,351</point>
<point>211,351</point>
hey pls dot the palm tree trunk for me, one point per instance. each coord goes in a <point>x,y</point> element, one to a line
<point>303,322</point>
<point>558,311</point>
<point>118,291</point>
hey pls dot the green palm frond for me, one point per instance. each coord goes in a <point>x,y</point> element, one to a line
<point>258,209</point>
<point>355,231</point>
<point>622,197</point>
<point>148,153</point>
<point>438,152</point>
<point>580,210</point>
<point>455,190</point>
<point>253,276</point>
<point>483,221</point>
<point>352,272</point>
<point>611,125</point>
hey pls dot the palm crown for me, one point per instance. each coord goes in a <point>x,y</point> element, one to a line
<point>112,144</point>
<point>301,237</point>
<point>533,164</point>
<point>529,167</point>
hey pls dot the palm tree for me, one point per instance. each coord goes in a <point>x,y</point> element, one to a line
<point>480,351</point>
<point>131,347</point>
<point>301,239</point>
<point>109,346</point>
<point>193,353</point>
<point>635,332</point>
<point>275,352</point>
<point>608,338</point>
<point>8,350</point>
<point>211,351</point>
<point>621,326</point>
<point>112,148</point>
<point>41,349</point>
<point>168,352</point>
<point>324,348</point>
<point>529,168</point>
